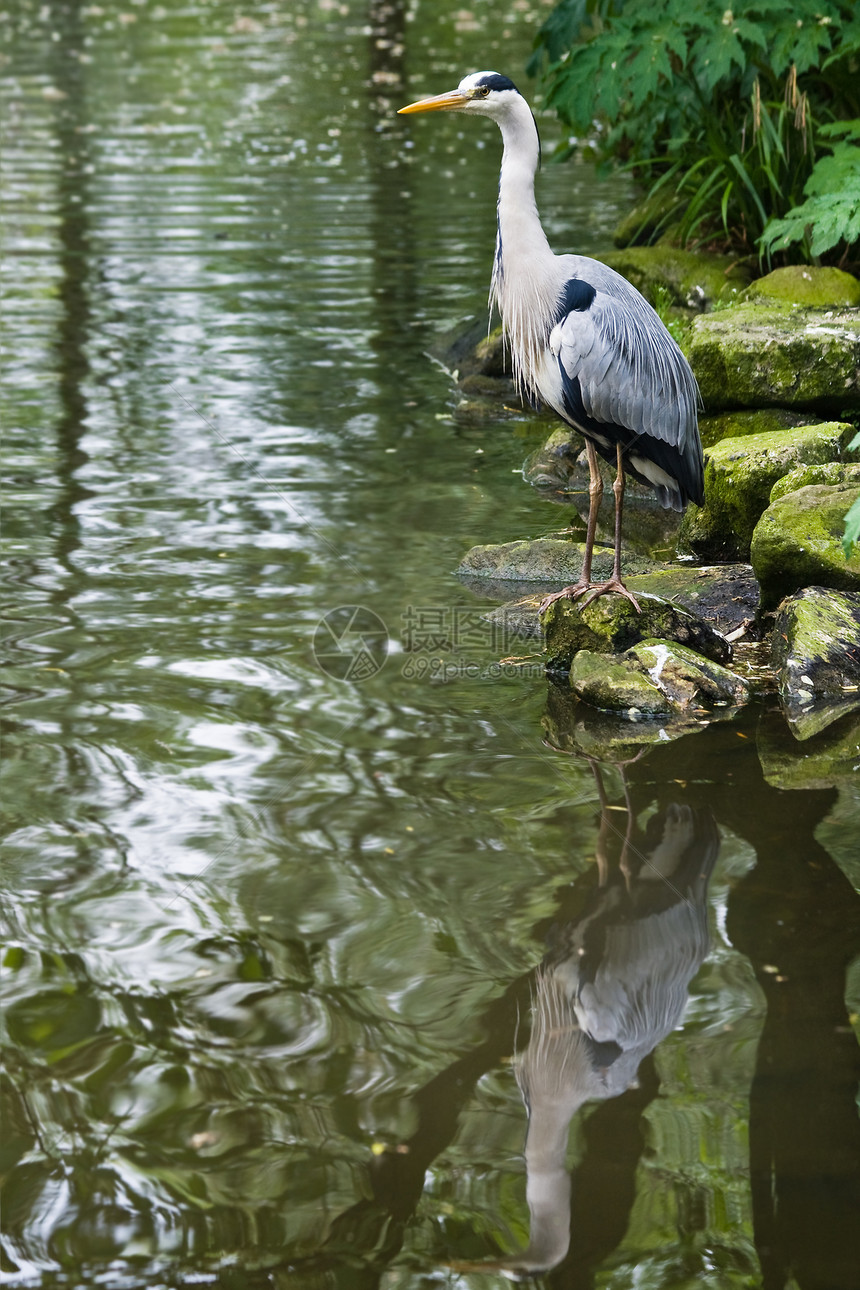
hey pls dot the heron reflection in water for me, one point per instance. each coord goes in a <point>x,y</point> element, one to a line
<point>613,984</point>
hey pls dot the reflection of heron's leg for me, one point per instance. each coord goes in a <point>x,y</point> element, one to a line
<point>624,862</point>
<point>600,851</point>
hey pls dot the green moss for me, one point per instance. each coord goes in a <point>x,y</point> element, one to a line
<point>803,284</point>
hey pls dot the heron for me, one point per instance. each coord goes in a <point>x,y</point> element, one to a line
<point>582,339</point>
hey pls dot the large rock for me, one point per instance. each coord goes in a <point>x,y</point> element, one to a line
<point>754,355</point>
<point>798,543</point>
<point>816,654</point>
<point>652,678</point>
<point>616,685</point>
<point>610,625</point>
<point>739,476</point>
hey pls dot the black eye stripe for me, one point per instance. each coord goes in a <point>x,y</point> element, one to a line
<point>495,82</point>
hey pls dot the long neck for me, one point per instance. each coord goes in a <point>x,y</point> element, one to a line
<point>525,279</point>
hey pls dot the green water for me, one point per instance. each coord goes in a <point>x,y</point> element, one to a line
<point>272,926</point>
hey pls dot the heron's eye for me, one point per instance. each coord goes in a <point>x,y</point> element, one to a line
<point>480,91</point>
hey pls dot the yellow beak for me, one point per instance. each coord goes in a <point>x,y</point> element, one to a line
<point>441,103</point>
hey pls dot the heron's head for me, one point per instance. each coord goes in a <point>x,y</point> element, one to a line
<point>479,94</point>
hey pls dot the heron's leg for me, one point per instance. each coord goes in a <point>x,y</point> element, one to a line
<point>595,493</point>
<point>615,583</point>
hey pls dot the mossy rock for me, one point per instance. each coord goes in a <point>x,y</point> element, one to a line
<point>653,678</point>
<point>692,279</point>
<point>816,654</point>
<point>688,679</point>
<point>756,355</point>
<point>610,625</point>
<point>798,543</point>
<point>807,285</point>
<point>733,425</point>
<point>615,685</point>
<point>739,476</point>
<point>725,595</point>
<point>834,472</point>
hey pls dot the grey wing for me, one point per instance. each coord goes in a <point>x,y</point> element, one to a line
<point>628,370</point>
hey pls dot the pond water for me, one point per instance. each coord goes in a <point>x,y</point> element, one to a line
<point>276,892</point>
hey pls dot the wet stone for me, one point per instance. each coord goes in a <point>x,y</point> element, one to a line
<point>816,654</point>
<point>652,678</point>
<point>798,543</point>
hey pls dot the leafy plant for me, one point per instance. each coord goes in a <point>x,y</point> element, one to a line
<point>830,215</point>
<point>852,519</point>
<point>722,111</point>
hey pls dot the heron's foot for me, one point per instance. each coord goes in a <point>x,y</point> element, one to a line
<point>612,586</point>
<point>567,593</point>
<point>592,591</point>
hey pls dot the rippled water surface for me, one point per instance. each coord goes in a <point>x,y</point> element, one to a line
<point>275,915</point>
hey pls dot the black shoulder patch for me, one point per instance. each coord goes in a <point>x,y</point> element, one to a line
<point>494,81</point>
<point>578,297</point>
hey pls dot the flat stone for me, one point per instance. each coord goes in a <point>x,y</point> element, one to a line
<point>754,355</point>
<point>549,562</point>
<point>798,543</point>
<point>816,654</point>
<point>739,476</point>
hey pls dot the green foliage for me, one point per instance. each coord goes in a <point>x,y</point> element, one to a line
<point>724,110</point>
<point>830,215</point>
<point>852,519</point>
